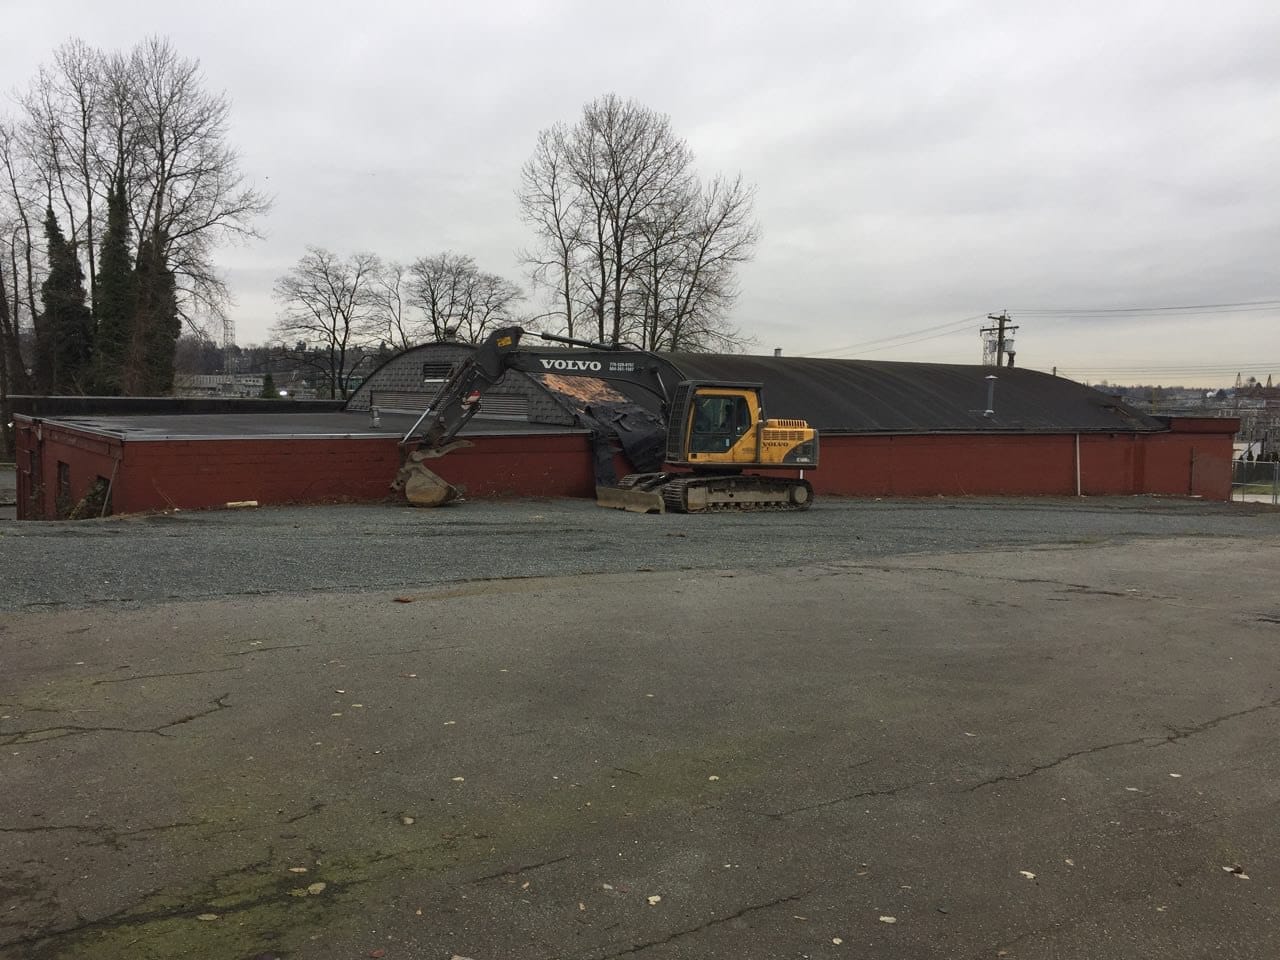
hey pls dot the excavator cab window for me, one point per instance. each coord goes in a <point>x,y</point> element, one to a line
<point>718,423</point>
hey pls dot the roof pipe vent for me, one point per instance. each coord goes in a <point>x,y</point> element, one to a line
<point>991,379</point>
<point>777,351</point>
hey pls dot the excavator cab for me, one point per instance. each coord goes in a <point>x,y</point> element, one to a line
<point>720,420</point>
<point>721,427</point>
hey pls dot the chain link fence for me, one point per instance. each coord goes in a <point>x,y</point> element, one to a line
<point>1256,481</point>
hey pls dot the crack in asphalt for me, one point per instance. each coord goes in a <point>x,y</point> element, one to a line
<point>16,737</point>
<point>1176,734</point>
<point>131,917</point>
<point>103,834</point>
<point>879,792</point>
<point>406,651</point>
<point>153,676</point>
<point>1091,591</point>
<point>252,650</point>
<point>713,922</point>
<point>1181,733</point>
<point>513,871</point>
<point>1041,767</point>
<point>1066,586</point>
<point>310,812</point>
<point>25,709</point>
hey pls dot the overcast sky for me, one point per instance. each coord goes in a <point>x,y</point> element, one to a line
<point>917,163</point>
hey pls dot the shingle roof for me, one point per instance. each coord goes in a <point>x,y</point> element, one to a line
<point>869,396</point>
<point>863,396</point>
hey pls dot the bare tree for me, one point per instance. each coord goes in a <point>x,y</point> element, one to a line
<point>188,189</point>
<point>627,162</point>
<point>620,219</point>
<point>23,207</point>
<point>63,131</point>
<point>661,271</point>
<point>328,310</point>
<point>13,372</point>
<point>489,305</point>
<point>546,203</point>
<point>688,276</point>
<point>391,313</point>
<point>458,300</point>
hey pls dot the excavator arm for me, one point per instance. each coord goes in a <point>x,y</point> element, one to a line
<point>457,401</point>
<point>435,432</point>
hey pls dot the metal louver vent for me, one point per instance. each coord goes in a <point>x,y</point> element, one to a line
<point>436,370</point>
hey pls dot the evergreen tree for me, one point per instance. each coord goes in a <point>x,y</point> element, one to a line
<point>156,325</point>
<point>268,387</point>
<point>63,366</point>
<point>114,304</point>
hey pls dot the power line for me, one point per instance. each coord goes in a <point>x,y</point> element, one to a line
<point>899,336</point>
<point>952,327</point>
<point>1080,311</point>
<point>1207,367</point>
<point>1163,375</point>
<point>907,343</point>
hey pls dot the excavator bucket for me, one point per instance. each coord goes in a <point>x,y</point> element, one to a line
<point>633,500</point>
<point>423,487</point>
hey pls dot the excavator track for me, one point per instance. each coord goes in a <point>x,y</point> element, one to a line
<point>738,493</point>
<point>684,493</point>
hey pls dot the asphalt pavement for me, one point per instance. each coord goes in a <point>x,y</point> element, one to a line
<point>1026,729</point>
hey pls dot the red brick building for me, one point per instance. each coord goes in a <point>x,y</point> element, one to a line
<point>887,429</point>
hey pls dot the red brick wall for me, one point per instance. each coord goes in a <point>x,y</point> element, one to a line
<point>1181,462</point>
<point>915,466</point>
<point>203,473</point>
<point>40,448</point>
<point>1185,462</point>
<point>1194,457</point>
<point>546,465</point>
<point>189,474</point>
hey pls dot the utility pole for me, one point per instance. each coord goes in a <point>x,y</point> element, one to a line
<point>998,342</point>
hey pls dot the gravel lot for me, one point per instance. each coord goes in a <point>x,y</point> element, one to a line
<point>205,554</point>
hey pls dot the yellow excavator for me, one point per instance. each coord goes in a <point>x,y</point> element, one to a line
<point>714,432</point>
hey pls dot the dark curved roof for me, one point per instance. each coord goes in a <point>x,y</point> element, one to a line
<point>853,396</point>
<point>865,396</point>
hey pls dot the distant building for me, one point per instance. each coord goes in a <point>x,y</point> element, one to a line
<point>239,385</point>
<point>218,384</point>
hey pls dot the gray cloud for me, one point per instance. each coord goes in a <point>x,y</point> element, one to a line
<point>915,165</point>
